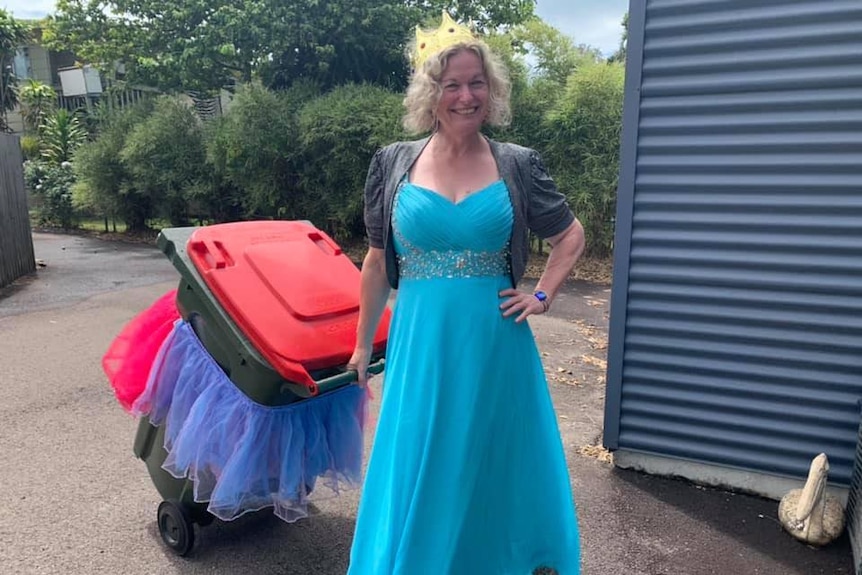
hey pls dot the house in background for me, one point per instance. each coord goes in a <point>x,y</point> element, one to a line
<point>33,61</point>
<point>36,62</point>
<point>735,352</point>
<point>77,86</point>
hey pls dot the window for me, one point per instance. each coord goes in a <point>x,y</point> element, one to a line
<point>21,64</point>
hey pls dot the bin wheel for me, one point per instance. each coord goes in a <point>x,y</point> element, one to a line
<point>176,528</point>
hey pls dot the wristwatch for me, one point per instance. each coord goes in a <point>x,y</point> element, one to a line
<point>542,297</point>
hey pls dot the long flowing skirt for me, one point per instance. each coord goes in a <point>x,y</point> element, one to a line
<point>467,473</point>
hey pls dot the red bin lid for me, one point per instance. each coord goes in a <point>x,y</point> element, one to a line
<point>289,288</point>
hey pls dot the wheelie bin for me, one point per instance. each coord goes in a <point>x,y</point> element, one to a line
<point>274,304</point>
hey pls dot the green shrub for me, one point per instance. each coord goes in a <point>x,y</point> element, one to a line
<point>61,133</point>
<point>339,133</point>
<point>30,147</point>
<point>251,153</point>
<point>164,157</point>
<point>51,185</point>
<point>582,152</point>
<point>104,184</point>
<point>215,196</point>
<point>38,102</point>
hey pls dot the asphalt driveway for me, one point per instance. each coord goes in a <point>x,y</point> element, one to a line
<point>74,500</point>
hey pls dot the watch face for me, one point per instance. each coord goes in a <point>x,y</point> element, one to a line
<point>541,296</point>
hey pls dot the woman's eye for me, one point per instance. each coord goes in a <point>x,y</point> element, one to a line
<point>452,87</point>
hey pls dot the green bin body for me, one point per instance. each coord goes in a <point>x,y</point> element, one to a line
<point>149,447</point>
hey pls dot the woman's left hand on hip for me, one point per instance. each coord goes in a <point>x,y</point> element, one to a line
<point>520,303</point>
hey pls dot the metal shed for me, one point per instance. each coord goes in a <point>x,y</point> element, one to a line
<point>735,351</point>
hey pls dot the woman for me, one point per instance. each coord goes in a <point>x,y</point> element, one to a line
<point>467,472</point>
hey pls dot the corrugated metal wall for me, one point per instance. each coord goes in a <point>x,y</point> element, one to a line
<point>736,328</point>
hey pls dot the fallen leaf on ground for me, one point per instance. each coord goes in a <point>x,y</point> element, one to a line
<point>596,452</point>
<point>598,343</point>
<point>594,361</point>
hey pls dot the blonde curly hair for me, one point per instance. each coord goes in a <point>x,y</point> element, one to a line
<point>425,89</point>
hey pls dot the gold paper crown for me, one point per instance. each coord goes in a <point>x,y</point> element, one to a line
<point>448,34</point>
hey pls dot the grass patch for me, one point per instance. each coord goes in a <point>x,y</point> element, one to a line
<point>97,225</point>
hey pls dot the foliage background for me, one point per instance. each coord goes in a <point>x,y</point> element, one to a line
<point>315,88</point>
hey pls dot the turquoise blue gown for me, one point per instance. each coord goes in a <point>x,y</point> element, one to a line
<point>467,473</point>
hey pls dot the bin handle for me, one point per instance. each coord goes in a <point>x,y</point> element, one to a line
<point>330,383</point>
<point>213,258</point>
<point>324,243</point>
<point>350,376</point>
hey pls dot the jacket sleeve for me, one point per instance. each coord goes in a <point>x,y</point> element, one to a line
<point>374,184</point>
<point>548,213</point>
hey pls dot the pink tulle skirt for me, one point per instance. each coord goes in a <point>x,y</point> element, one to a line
<point>128,360</point>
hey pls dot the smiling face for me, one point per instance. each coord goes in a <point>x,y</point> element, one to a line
<point>463,103</point>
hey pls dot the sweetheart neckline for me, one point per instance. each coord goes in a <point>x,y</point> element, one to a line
<point>492,185</point>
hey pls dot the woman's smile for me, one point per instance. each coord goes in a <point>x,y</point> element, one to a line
<point>464,93</point>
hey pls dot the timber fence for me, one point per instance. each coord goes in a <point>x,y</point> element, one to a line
<point>16,242</point>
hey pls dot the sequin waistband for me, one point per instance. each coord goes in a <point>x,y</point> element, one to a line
<point>453,264</point>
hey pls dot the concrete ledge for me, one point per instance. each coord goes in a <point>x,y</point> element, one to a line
<point>729,478</point>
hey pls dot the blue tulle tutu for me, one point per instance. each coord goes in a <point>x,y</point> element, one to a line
<point>242,456</point>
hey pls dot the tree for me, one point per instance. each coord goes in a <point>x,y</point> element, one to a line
<point>620,54</point>
<point>12,35</point>
<point>556,55</point>
<point>343,41</point>
<point>61,134</point>
<point>206,45</point>
<point>486,16</point>
<point>540,59</point>
<point>38,101</point>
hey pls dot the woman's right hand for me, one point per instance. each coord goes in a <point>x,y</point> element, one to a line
<point>373,293</point>
<point>359,363</point>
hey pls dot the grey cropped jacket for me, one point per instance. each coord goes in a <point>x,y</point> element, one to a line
<point>536,203</point>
